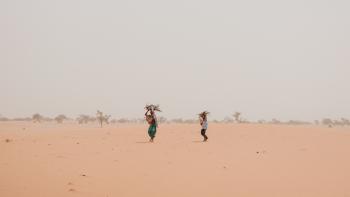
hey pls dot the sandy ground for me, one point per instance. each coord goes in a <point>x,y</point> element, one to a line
<point>52,160</point>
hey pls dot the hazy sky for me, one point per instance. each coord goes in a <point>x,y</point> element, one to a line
<point>267,59</point>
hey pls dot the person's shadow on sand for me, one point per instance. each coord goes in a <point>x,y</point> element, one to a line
<point>143,142</point>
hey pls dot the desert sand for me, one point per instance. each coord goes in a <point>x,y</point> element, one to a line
<point>56,160</point>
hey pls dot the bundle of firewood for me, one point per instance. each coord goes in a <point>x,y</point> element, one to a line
<point>153,107</point>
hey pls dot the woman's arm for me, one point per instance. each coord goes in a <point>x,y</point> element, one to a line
<point>146,112</point>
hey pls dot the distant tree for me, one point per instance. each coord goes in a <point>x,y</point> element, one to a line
<point>237,116</point>
<point>345,121</point>
<point>328,122</point>
<point>60,118</point>
<point>84,119</point>
<point>275,121</point>
<point>3,118</point>
<point>316,122</point>
<point>338,123</point>
<point>37,118</point>
<point>298,122</point>
<point>101,118</point>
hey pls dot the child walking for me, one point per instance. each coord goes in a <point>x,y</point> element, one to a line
<point>204,123</point>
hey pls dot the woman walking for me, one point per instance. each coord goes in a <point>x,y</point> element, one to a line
<point>152,120</point>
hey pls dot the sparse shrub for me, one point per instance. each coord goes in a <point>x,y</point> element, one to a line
<point>328,122</point>
<point>298,122</point>
<point>275,121</point>
<point>345,121</point>
<point>84,119</point>
<point>37,118</point>
<point>60,118</point>
<point>4,119</point>
<point>338,123</point>
<point>237,116</point>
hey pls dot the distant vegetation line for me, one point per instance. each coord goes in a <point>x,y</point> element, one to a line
<point>237,118</point>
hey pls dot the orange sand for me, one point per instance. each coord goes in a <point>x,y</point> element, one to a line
<point>52,160</point>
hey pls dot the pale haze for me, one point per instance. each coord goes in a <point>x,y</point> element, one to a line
<point>266,59</point>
